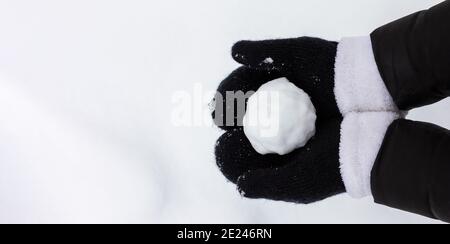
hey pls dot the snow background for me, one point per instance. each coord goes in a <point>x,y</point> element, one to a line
<point>85,107</point>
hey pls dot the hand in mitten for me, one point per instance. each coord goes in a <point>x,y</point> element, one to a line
<point>342,81</point>
<point>308,174</point>
<point>306,62</point>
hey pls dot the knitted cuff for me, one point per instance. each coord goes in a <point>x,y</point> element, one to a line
<point>358,83</point>
<point>361,137</point>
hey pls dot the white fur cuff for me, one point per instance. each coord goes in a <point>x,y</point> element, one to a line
<point>361,137</point>
<point>358,83</point>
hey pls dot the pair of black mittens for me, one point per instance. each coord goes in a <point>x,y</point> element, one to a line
<point>307,174</point>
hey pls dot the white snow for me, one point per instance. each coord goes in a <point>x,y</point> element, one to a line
<point>268,60</point>
<point>85,90</point>
<point>280,118</point>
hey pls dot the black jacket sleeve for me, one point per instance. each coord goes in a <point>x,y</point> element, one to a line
<point>412,170</point>
<point>413,57</point>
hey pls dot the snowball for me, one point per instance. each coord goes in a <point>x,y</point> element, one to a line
<point>280,118</point>
<point>268,61</point>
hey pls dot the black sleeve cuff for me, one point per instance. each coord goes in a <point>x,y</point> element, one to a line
<point>412,170</point>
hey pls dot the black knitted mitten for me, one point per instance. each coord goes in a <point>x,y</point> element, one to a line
<point>307,62</point>
<point>306,175</point>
